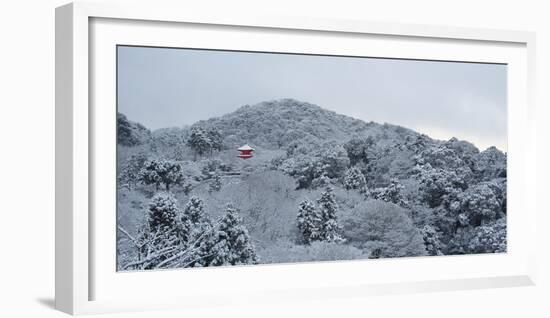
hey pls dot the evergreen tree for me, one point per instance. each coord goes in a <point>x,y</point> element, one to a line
<point>233,246</point>
<point>162,212</point>
<point>192,219</point>
<point>194,210</point>
<point>204,246</point>
<point>327,211</point>
<point>309,222</point>
<point>216,139</point>
<point>159,238</point>
<point>354,179</point>
<point>199,141</point>
<point>159,172</point>
<point>198,232</point>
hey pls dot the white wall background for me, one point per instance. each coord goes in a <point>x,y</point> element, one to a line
<point>27,158</point>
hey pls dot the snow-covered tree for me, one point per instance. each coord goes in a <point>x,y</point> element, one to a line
<point>431,240</point>
<point>159,172</point>
<point>354,179</point>
<point>199,141</point>
<point>216,139</point>
<point>304,168</point>
<point>383,229</point>
<point>437,183</point>
<point>490,164</point>
<point>198,232</point>
<point>334,160</point>
<point>489,238</point>
<point>233,245</point>
<point>129,133</point>
<point>309,222</point>
<point>215,184</point>
<point>204,244</point>
<point>194,211</point>
<point>479,204</point>
<point>417,143</point>
<point>358,149</point>
<point>159,238</point>
<point>452,157</point>
<point>392,193</point>
<point>162,212</point>
<point>465,150</point>
<point>330,230</point>
<point>129,171</point>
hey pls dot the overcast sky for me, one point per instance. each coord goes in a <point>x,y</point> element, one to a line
<point>174,87</point>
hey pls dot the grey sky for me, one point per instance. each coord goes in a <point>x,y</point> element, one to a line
<point>174,87</point>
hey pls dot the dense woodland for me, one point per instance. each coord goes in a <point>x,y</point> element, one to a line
<point>321,186</point>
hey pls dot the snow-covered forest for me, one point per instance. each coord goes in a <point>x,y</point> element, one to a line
<point>320,186</point>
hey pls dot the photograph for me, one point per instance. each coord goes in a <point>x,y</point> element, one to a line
<point>229,158</point>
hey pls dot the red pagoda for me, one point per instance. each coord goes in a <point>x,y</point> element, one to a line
<point>245,152</point>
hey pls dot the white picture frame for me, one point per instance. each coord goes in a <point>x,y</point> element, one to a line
<point>86,281</point>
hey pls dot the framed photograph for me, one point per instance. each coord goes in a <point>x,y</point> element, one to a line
<point>206,159</point>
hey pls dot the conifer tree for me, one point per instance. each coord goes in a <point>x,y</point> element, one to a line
<point>159,172</point>
<point>199,141</point>
<point>309,222</point>
<point>327,211</point>
<point>198,232</point>
<point>354,179</point>
<point>233,246</point>
<point>159,238</point>
<point>194,211</point>
<point>193,219</point>
<point>216,139</point>
<point>162,212</point>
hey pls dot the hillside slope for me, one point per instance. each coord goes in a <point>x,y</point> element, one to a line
<point>276,124</point>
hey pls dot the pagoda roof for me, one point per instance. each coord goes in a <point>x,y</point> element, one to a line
<point>245,147</point>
